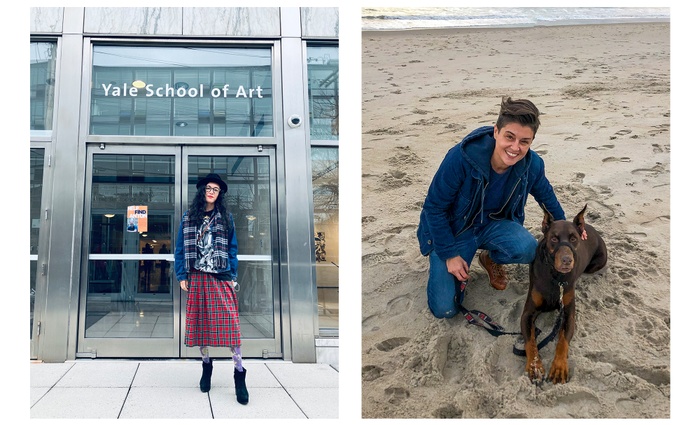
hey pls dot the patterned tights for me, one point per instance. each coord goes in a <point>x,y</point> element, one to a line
<point>235,354</point>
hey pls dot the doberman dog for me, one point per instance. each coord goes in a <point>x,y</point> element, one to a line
<point>562,256</point>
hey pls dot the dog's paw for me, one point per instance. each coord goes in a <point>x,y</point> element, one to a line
<point>535,370</point>
<point>559,372</point>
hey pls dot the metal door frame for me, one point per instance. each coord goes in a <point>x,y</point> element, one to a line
<point>174,347</point>
<point>258,347</point>
<point>123,347</point>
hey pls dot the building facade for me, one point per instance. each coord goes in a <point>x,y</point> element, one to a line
<point>129,108</point>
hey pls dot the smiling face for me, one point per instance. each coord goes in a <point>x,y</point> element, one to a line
<point>512,143</point>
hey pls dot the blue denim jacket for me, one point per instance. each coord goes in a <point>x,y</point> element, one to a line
<point>230,273</point>
<point>455,198</point>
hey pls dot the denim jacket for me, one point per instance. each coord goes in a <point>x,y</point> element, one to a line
<point>230,273</point>
<point>455,198</point>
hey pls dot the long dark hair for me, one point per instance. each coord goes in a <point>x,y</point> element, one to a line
<point>196,210</point>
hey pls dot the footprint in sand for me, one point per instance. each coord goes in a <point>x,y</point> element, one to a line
<point>371,372</point>
<point>604,209</point>
<point>621,133</point>
<point>662,218</point>
<point>370,320</point>
<point>396,395</point>
<point>395,179</point>
<point>629,405</point>
<point>373,259</point>
<point>601,148</point>
<point>399,305</point>
<point>391,343</point>
<point>578,177</point>
<point>369,219</point>
<point>395,307</point>
<point>651,172</point>
<point>616,159</point>
<point>658,129</point>
<point>395,244</point>
<point>657,148</point>
<point>448,412</point>
<point>385,131</point>
<point>577,404</point>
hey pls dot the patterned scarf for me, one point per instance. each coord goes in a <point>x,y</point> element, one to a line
<point>190,232</point>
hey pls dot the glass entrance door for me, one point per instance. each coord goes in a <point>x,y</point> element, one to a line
<point>131,304</point>
<point>251,198</point>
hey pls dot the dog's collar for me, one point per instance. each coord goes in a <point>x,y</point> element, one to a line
<point>559,281</point>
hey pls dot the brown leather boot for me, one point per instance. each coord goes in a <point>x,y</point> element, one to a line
<point>497,273</point>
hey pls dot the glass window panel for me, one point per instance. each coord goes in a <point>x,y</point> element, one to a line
<point>36,180</point>
<point>42,83</point>
<point>116,310</point>
<point>32,294</point>
<point>130,298</point>
<point>325,193</point>
<point>249,200</point>
<point>322,63</point>
<point>182,91</point>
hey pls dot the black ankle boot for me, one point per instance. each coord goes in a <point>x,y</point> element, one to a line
<point>205,382</point>
<point>241,390</point>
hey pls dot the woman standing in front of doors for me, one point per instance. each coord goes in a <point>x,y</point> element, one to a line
<point>206,265</point>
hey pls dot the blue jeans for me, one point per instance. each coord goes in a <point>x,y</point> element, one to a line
<point>508,242</point>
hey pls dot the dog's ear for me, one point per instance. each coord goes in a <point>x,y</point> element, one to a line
<point>579,222</point>
<point>546,221</point>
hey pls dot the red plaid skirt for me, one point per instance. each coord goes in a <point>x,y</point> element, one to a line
<point>212,312</point>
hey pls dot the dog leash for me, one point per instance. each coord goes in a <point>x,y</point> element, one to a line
<point>483,320</point>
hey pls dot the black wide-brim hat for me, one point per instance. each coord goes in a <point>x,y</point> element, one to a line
<point>211,177</point>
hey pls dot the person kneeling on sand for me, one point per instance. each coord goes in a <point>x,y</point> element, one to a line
<point>477,201</point>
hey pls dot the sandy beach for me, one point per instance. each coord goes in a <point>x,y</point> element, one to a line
<point>604,95</point>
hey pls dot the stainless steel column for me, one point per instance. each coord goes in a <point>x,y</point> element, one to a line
<point>65,212</point>
<point>298,228</point>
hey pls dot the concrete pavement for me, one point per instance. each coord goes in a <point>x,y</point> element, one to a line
<point>151,389</point>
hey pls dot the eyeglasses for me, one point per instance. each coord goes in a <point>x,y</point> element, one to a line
<point>212,189</point>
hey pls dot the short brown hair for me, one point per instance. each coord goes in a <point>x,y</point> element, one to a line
<point>520,111</point>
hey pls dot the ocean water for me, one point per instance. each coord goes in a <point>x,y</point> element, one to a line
<point>377,19</point>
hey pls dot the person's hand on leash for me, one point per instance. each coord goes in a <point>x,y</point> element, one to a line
<point>183,285</point>
<point>458,268</point>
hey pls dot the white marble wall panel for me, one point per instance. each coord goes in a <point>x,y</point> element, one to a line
<point>232,21</point>
<point>46,20</point>
<point>134,20</point>
<point>320,22</point>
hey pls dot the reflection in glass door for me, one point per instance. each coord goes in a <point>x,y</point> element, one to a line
<point>36,185</point>
<point>128,305</point>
